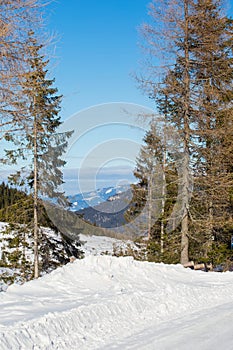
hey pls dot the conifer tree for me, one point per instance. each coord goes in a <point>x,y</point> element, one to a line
<point>195,94</point>
<point>212,53</point>
<point>155,193</point>
<point>149,172</point>
<point>148,193</point>
<point>40,141</point>
<point>173,93</point>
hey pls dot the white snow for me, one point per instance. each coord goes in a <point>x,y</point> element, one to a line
<point>102,245</point>
<point>109,191</point>
<point>104,302</point>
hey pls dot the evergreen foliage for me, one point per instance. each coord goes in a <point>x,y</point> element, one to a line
<point>16,206</point>
<point>195,96</point>
<point>39,142</point>
<point>16,258</point>
<point>10,196</point>
<point>16,240</point>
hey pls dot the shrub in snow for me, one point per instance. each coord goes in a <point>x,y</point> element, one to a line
<point>16,252</point>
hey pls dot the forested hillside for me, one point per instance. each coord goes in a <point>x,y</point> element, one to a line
<point>16,206</point>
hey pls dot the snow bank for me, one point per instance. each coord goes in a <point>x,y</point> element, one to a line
<point>103,245</point>
<point>102,302</point>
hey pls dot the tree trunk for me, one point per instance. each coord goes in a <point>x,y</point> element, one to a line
<point>163,198</point>
<point>35,184</point>
<point>184,223</point>
<point>184,256</point>
<point>209,229</point>
<point>150,205</point>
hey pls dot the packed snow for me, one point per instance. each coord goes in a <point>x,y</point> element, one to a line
<point>102,245</point>
<point>104,302</point>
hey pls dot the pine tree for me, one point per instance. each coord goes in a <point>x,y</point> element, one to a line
<point>40,141</point>
<point>213,88</point>
<point>155,193</point>
<point>173,93</point>
<point>148,172</point>
<point>194,94</point>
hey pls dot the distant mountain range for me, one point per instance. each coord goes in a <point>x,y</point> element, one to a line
<point>105,207</point>
<point>91,199</point>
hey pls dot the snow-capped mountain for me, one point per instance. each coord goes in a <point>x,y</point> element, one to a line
<point>91,199</point>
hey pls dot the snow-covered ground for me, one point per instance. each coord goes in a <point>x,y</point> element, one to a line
<point>102,245</point>
<point>104,302</point>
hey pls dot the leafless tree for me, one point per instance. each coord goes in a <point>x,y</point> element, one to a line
<point>17,18</point>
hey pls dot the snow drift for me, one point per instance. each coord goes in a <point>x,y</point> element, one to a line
<point>103,302</point>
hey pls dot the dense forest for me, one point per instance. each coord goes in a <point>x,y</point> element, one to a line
<point>186,165</point>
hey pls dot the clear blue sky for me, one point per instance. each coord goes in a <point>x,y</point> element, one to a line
<point>97,51</point>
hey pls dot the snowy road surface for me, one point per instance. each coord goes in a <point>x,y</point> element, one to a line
<point>102,302</point>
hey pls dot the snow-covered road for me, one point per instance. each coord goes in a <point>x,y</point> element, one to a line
<point>203,330</point>
<point>102,302</point>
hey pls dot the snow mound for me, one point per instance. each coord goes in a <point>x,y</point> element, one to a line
<point>104,302</point>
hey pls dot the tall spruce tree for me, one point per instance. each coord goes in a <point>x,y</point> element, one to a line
<point>195,95</point>
<point>213,86</point>
<point>40,141</point>
<point>155,193</point>
<point>149,172</point>
<point>173,92</point>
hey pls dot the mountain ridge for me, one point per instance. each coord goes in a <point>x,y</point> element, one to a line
<point>84,200</point>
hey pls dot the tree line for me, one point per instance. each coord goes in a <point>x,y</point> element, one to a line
<point>189,75</point>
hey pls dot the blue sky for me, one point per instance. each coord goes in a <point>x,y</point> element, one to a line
<point>97,51</point>
<point>103,148</point>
